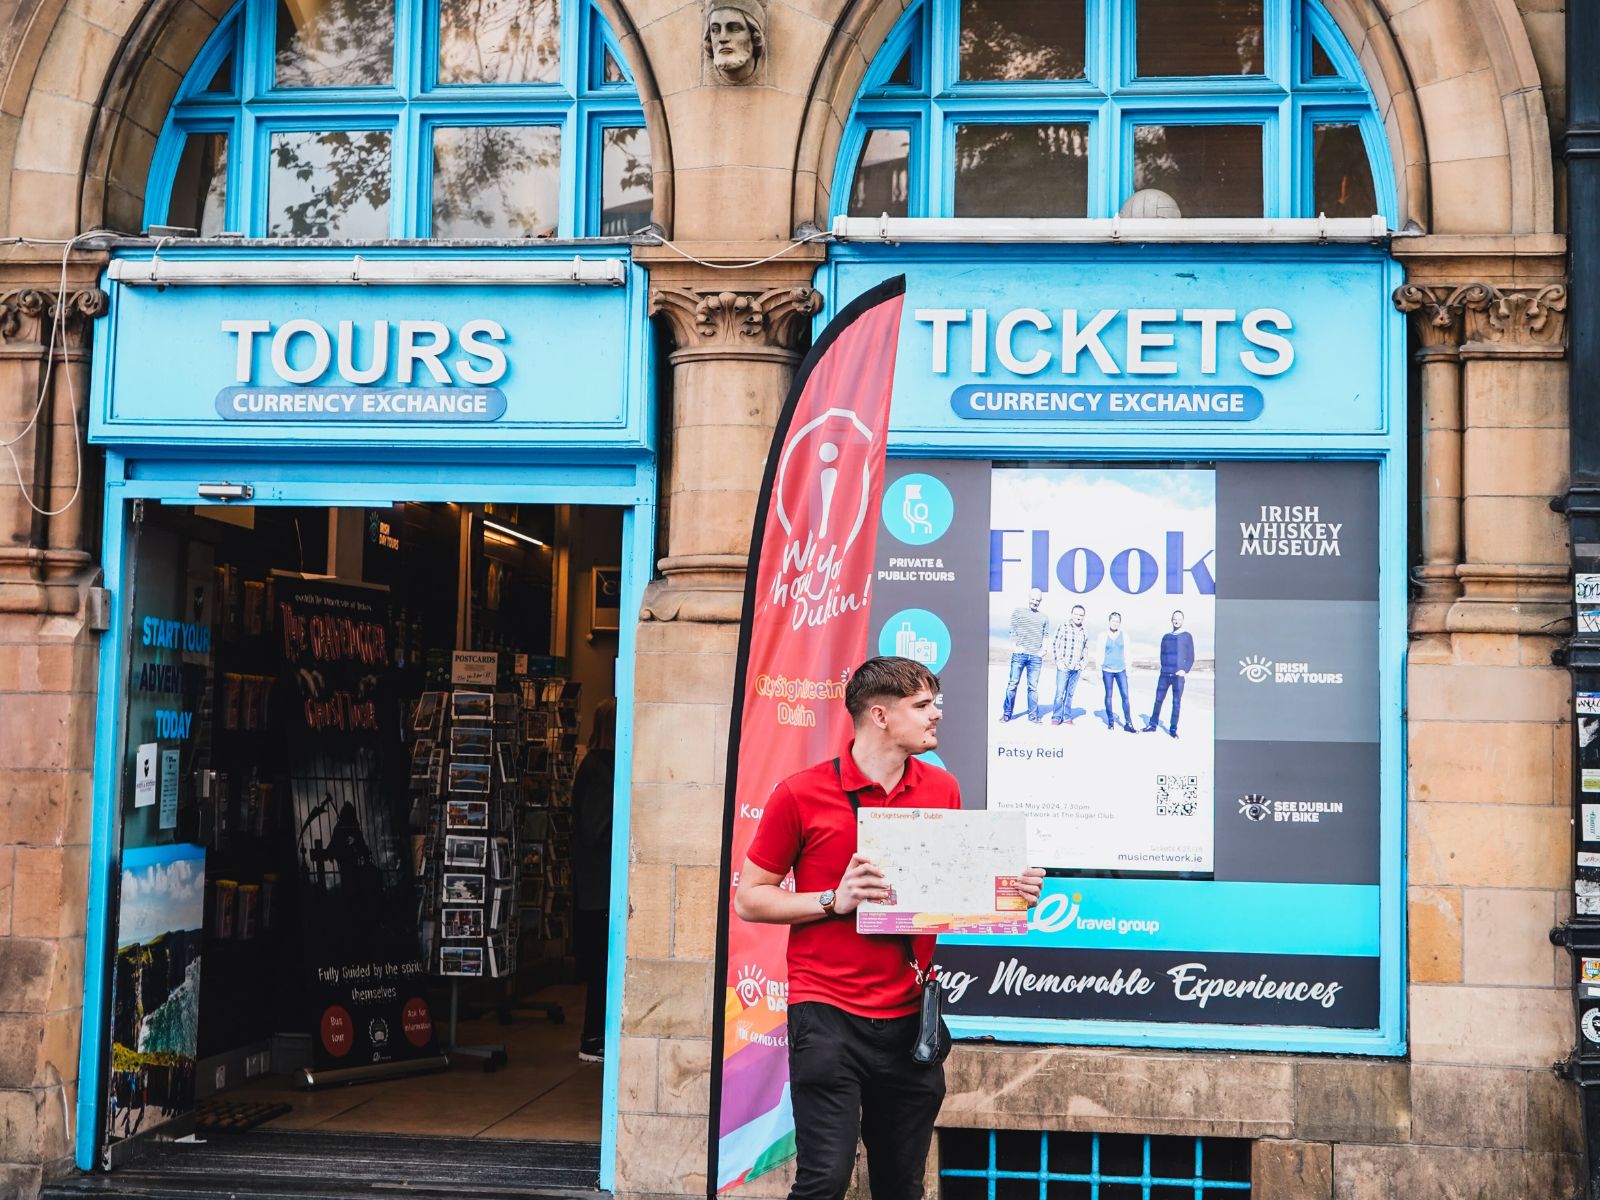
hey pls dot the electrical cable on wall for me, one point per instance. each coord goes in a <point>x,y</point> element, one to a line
<point>651,232</point>
<point>57,329</point>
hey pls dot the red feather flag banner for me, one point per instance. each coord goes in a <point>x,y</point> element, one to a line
<point>805,628</point>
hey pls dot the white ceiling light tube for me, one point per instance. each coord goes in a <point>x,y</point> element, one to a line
<point>1112,229</point>
<point>357,270</point>
<point>507,531</point>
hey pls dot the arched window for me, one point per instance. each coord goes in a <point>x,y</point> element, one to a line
<point>1088,108</point>
<point>372,119</point>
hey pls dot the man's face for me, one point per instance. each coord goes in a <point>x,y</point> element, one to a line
<point>1177,621</point>
<point>1077,615</point>
<point>912,722</point>
<point>1035,598</point>
<point>1116,622</point>
<point>731,45</point>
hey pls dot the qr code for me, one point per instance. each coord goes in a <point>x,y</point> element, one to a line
<point>1177,795</point>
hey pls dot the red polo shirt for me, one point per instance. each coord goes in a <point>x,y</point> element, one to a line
<point>808,825</point>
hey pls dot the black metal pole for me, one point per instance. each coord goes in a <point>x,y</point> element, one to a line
<point>1581,934</point>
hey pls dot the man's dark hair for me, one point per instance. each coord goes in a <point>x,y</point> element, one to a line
<point>1114,614</point>
<point>1078,608</point>
<point>895,678</point>
<point>1177,612</point>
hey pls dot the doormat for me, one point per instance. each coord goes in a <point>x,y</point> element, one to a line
<point>216,1115</point>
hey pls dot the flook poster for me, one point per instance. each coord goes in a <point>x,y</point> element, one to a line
<point>1102,664</point>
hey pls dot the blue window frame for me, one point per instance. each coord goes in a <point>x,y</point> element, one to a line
<point>1215,132</point>
<point>993,1164</point>
<point>403,149</point>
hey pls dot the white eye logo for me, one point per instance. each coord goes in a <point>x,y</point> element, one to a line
<point>1255,668</point>
<point>751,985</point>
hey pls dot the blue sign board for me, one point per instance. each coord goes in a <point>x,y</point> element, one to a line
<point>507,364</point>
<point>1016,344</point>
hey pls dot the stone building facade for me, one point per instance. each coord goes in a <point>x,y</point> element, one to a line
<point>1472,98</point>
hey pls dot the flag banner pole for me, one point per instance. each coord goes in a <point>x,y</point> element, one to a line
<point>805,627</point>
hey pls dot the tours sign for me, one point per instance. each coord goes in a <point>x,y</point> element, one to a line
<point>389,358</point>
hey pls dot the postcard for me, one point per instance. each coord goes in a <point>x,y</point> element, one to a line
<point>470,777</point>
<point>463,888</point>
<point>471,741</point>
<point>472,706</point>
<point>949,871</point>
<point>461,960</point>
<point>465,851</point>
<point>466,814</point>
<point>462,922</point>
<point>425,717</point>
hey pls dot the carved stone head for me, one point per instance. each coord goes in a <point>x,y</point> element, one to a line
<point>734,43</point>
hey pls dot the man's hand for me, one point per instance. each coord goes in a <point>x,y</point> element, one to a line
<point>1029,883</point>
<point>861,881</point>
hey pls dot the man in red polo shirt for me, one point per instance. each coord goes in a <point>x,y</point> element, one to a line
<point>853,998</point>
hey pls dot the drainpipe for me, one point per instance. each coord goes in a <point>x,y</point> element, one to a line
<point>1581,933</point>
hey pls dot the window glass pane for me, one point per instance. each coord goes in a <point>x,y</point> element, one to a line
<point>1022,39</point>
<point>333,184</point>
<point>1321,62</point>
<point>1207,170</point>
<point>901,75</point>
<point>1341,174</point>
<point>1199,37</point>
<point>496,181</point>
<point>334,43</point>
<point>499,41</point>
<point>611,72</point>
<point>1022,171</point>
<point>625,189</point>
<point>883,176</point>
<point>200,189</point>
<point>221,82</point>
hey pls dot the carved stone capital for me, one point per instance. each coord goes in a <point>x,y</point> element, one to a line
<point>713,322</point>
<point>27,316</point>
<point>704,588</point>
<point>1484,319</point>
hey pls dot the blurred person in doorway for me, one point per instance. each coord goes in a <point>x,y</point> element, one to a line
<point>593,789</point>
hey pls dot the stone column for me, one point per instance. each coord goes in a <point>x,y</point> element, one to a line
<point>737,338</point>
<point>1437,319</point>
<point>47,706</point>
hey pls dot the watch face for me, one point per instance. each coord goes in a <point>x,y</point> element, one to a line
<point>826,899</point>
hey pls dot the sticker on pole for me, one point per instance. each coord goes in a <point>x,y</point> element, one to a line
<point>1591,1025</point>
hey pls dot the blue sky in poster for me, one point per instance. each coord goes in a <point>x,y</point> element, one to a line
<point>163,888</point>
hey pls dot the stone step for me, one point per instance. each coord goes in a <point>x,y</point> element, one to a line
<point>273,1165</point>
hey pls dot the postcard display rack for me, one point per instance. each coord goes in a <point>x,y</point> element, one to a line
<point>464,779</point>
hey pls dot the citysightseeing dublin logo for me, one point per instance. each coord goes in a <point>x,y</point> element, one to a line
<point>918,509</point>
<point>820,496</point>
<point>917,634</point>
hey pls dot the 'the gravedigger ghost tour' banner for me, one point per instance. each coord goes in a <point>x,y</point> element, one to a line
<point>359,928</point>
<point>805,628</point>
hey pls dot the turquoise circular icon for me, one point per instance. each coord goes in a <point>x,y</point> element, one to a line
<point>917,634</point>
<point>917,509</point>
<point>932,759</point>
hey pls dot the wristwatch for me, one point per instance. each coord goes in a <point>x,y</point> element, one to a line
<point>826,900</point>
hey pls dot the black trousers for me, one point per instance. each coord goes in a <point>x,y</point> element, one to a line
<point>591,940</point>
<point>852,1078</point>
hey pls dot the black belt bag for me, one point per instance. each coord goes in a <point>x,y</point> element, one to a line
<point>932,1045</point>
<point>933,1035</point>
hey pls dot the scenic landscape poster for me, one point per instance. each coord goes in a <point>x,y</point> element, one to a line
<point>155,988</point>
